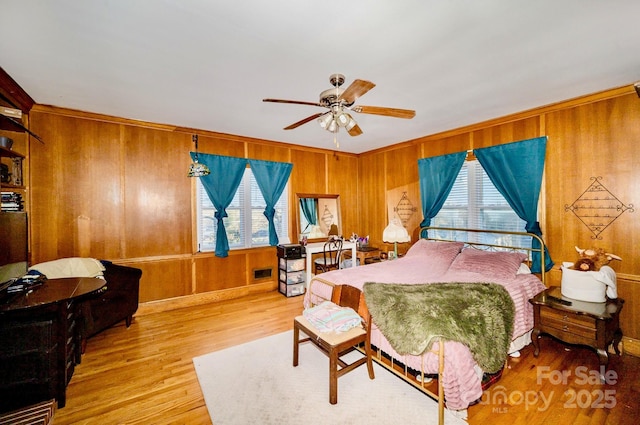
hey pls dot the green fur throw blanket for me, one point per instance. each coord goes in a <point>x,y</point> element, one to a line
<point>479,315</point>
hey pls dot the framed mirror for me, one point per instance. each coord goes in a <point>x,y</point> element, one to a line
<point>318,216</point>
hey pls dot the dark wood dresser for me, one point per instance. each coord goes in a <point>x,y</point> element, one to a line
<point>40,334</point>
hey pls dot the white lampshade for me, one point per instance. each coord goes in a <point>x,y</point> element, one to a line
<point>342,119</point>
<point>395,232</point>
<point>325,120</point>
<point>350,124</point>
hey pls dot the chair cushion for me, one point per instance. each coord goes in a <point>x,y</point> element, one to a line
<point>328,316</point>
<point>332,338</point>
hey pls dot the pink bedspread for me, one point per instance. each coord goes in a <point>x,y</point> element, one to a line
<point>461,382</point>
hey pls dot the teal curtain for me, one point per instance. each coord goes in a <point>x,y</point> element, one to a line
<point>308,207</point>
<point>271,178</point>
<point>221,186</point>
<point>437,176</point>
<point>516,171</point>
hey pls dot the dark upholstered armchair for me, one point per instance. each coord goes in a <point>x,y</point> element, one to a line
<point>119,302</point>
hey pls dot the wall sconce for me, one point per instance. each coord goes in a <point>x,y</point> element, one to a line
<point>196,169</point>
<point>394,233</point>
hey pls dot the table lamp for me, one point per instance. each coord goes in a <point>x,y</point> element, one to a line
<point>394,233</point>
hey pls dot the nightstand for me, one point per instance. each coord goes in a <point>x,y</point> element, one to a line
<point>595,325</point>
<point>366,252</point>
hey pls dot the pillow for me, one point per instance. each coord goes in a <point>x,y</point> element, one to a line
<point>491,264</point>
<point>70,267</point>
<point>437,254</point>
<point>524,269</point>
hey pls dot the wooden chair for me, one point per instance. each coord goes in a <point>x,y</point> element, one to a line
<point>331,256</point>
<point>334,344</point>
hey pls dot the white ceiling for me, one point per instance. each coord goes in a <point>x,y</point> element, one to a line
<point>208,64</point>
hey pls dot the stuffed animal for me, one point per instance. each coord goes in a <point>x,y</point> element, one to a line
<point>584,265</point>
<point>592,259</point>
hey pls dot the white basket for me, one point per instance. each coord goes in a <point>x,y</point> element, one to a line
<point>582,286</point>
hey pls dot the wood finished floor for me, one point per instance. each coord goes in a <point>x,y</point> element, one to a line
<point>145,375</point>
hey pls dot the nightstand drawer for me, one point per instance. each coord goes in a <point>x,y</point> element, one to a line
<point>576,324</point>
<point>578,319</point>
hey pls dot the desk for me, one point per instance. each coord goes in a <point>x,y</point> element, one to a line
<point>40,332</point>
<point>317,248</point>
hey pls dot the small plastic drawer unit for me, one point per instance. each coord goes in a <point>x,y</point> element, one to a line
<point>291,270</point>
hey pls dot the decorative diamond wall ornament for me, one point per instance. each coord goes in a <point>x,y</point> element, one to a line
<point>404,209</point>
<point>327,217</point>
<point>597,208</point>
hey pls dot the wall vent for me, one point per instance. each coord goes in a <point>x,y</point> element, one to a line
<point>262,273</point>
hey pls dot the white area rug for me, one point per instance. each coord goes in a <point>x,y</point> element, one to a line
<point>255,383</point>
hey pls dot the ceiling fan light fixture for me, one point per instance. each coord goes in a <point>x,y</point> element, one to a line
<point>325,120</point>
<point>352,123</point>
<point>342,119</point>
<point>339,101</point>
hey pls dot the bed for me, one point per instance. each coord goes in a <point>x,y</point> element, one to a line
<point>458,257</point>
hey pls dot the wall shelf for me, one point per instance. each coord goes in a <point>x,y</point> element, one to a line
<point>10,124</point>
<point>8,153</point>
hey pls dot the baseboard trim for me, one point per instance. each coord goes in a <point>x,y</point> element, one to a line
<point>631,346</point>
<point>152,307</point>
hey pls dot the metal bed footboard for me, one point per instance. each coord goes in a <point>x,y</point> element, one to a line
<point>396,366</point>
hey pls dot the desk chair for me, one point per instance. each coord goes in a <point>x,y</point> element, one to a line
<point>334,344</point>
<point>331,255</point>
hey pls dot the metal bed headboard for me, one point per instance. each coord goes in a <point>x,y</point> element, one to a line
<point>458,235</point>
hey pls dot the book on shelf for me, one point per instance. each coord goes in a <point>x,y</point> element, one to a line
<point>11,201</point>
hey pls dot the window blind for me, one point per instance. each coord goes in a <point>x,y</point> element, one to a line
<point>246,224</point>
<point>475,203</point>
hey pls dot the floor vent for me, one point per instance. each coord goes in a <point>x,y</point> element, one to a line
<point>262,273</point>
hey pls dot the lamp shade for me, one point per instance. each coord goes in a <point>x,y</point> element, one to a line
<point>325,120</point>
<point>197,169</point>
<point>395,232</point>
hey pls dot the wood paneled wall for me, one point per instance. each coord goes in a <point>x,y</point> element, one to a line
<point>594,136</point>
<point>117,189</point>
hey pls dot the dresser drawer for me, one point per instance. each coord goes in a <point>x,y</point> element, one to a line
<point>567,322</point>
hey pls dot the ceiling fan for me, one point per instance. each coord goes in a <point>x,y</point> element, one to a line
<point>339,101</point>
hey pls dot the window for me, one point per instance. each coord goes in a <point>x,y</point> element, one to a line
<point>475,203</point>
<point>246,224</point>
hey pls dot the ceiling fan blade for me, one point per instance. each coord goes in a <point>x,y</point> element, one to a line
<point>355,130</point>
<point>304,121</point>
<point>297,102</point>
<point>388,112</point>
<point>355,90</point>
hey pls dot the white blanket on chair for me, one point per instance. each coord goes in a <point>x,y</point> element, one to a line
<point>70,267</point>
